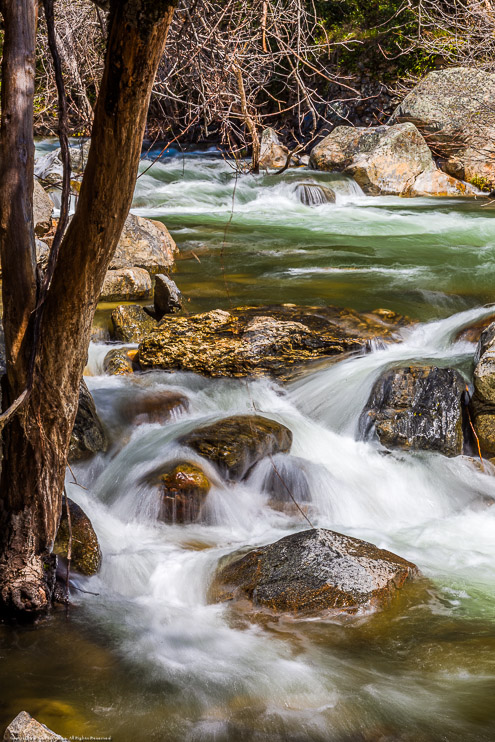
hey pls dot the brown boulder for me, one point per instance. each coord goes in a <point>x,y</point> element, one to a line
<point>85,549</point>
<point>117,363</point>
<point>131,323</point>
<point>184,488</point>
<point>144,243</point>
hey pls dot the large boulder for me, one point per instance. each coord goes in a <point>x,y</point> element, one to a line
<point>26,729</point>
<point>131,323</point>
<point>314,571</point>
<point>42,210</point>
<point>416,408</point>
<point>483,402</point>
<point>126,284</point>
<point>381,159</point>
<point>183,488</point>
<point>236,444</point>
<point>88,436</point>
<point>273,155</point>
<point>85,549</point>
<point>453,109</point>
<point>261,340</point>
<point>144,243</point>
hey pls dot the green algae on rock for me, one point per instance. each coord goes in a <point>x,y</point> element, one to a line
<point>236,443</point>
<point>261,340</point>
<point>314,571</point>
<point>86,552</point>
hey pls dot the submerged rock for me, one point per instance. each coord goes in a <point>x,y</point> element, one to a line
<point>235,444</point>
<point>314,194</point>
<point>118,363</point>
<point>273,155</point>
<point>167,298</point>
<point>285,479</point>
<point>416,408</point>
<point>453,109</point>
<point>126,284</point>
<point>184,488</point>
<point>85,549</point>
<point>88,436</point>
<point>131,324</point>
<point>314,571</point>
<point>144,243</point>
<point>261,340</point>
<point>26,729</point>
<point>154,407</point>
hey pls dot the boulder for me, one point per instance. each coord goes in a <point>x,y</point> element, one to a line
<point>236,444</point>
<point>314,571</point>
<point>153,407</point>
<point>483,401</point>
<point>453,109</point>
<point>144,243</point>
<point>273,155</point>
<point>88,436</point>
<point>416,408</point>
<point>381,159</point>
<point>126,284</point>
<point>26,729</point>
<point>131,324</point>
<point>437,183</point>
<point>314,194</point>
<point>183,488</point>
<point>85,549</point>
<point>49,168</point>
<point>261,340</point>
<point>117,363</point>
<point>167,298</point>
<point>42,210</point>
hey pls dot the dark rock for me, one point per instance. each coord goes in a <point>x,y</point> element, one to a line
<point>314,571</point>
<point>236,443</point>
<point>85,549</point>
<point>168,298</point>
<point>88,436</point>
<point>261,340</point>
<point>417,408</point>
<point>26,729</point>
<point>131,323</point>
<point>184,488</point>
<point>154,407</point>
<point>118,363</point>
<point>314,194</point>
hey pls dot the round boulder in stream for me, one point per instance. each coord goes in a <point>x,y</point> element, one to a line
<point>314,571</point>
<point>88,436</point>
<point>183,488</point>
<point>237,443</point>
<point>85,549</point>
<point>416,408</point>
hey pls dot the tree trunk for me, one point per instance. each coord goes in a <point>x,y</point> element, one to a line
<point>36,439</point>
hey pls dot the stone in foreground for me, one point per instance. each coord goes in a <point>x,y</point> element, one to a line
<point>117,363</point>
<point>88,436</point>
<point>26,729</point>
<point>237,443</point>
<point>416,408</point>
<point>85,549</point>
<point>261,340</point>
<point>314,571</point>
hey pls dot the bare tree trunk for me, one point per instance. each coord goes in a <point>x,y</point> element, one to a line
<point>36,439</point>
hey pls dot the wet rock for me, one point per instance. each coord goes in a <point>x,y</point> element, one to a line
<point>416,408</point>
<point>483,401</point>
<point>26,729</point>
<point>437,183</point>
<point>285,479</point>
<point>131,324</point>
<point>118,363</point>
<point>144,243</point>
<point>261,340</point>
<point>184,488</point>
<point>88,436</point>
<point>42,210</point>
<point>167,299</point>
<point>273,155</point>
<point>453,109</point>
<point>237,443</point>
<point>85,549</point>
<point>126,284</point>
<point>472,333</point>
<point>314,571</point>
<point>314,194</point>
<point>381,159</point>
<point>154,407</point>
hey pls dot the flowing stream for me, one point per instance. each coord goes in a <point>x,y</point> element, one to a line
<point>142,654</point>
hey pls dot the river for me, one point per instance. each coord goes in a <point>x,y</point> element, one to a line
<point>141,654</point>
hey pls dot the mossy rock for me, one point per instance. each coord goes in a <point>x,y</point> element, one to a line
<point>314,571</point>
<point>131,323</point>
<point>86,552</point>
<point>183,488</point>
<point>237,443</point>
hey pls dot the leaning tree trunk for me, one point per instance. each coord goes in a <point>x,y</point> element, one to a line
<point>57,327</point>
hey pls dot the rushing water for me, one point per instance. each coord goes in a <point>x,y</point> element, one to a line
<point>142,655</point>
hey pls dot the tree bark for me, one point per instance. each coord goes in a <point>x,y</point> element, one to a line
<point>36,439</point>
